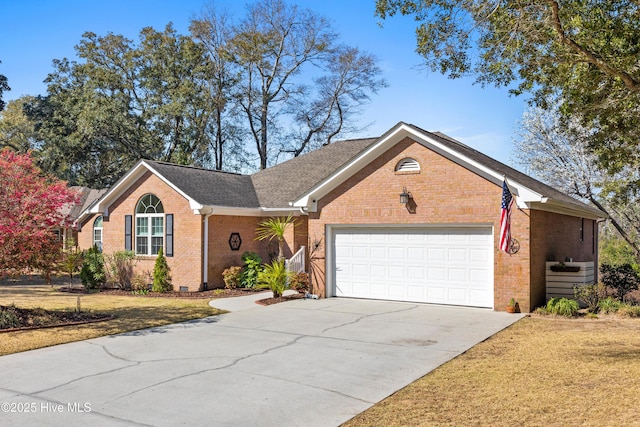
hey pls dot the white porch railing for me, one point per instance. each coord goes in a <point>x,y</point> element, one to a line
<point>296,264</point>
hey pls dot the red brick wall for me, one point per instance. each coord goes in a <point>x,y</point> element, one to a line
<point>555,237</point>
<point>186,264</point>
<point>444,193</point>
<point>221,256</point>
<point>85,235</point>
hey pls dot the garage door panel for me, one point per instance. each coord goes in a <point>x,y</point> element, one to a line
<point>396,272</point>
<point>396,253</point>
<point>457,255</point>
<point>457,275</point>
<point>436,254</point>
<point>457,295</point>
<point>378,252</point>
<point>436,274</point>
<point>479,255</point>
<point>437,265</point>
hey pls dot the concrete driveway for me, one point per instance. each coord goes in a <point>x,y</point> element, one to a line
<point>301,363</point>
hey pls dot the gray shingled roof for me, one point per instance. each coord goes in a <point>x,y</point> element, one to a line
<point>86,197</point>
<point>278,186</point>
<point>281,184</point>
<point>208,187</point>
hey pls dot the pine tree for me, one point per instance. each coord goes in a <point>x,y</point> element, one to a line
<point>161,274</point>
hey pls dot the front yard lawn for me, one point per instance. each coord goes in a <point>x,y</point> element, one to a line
<point>129,313</point>
<point>538,372</point>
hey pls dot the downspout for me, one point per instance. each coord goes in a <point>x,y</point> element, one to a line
<point>205,259</point>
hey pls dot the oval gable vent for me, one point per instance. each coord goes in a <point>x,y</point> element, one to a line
<point>408,165</point>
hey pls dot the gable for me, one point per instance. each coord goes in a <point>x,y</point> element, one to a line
<point>530,193</point>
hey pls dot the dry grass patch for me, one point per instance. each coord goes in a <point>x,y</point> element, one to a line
<point>538,372</point>
<point>130,314</point>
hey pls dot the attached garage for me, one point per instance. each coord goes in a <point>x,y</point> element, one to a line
<point>442,265</point>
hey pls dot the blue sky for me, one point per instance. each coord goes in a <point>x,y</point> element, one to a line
<point>34,32</point>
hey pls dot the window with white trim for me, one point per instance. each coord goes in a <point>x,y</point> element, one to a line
<point>408,165</point>
<point>149,225</point>
<point>97,233</point>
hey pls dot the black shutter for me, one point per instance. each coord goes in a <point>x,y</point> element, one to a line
<point>169,235</point>
<point>127,232</point>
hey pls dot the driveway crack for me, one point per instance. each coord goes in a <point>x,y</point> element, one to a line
<point>229,365</point>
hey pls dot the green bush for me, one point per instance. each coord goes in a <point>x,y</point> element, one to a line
<point>119,268</point>
<point>232,276</point>
<point>8,318</point>
<point>609,305</point>
<point>590,295</point>
<point>299,282</point>
<point>622,278</point>
<point>563,307</point>
<point>252,266</point>
<point>161,274</point>
<point>92,272</point>
<point>274,277</point>
<point>140,284</point>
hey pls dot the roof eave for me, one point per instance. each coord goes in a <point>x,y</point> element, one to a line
<point>559,207</point>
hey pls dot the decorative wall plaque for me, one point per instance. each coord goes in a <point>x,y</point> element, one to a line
<point>235,241</point>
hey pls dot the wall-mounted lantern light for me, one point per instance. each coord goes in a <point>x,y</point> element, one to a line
<point>405,196</point>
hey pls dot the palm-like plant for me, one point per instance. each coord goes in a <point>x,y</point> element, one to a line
<point>274,277</point>
<point>274,228</point>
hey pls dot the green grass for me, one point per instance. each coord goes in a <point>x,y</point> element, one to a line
<point>131,313</point>
<point>541,371</point>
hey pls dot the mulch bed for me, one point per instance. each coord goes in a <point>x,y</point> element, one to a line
<point>19,319</point>
<point>210,294</point>
<point>269,301</point>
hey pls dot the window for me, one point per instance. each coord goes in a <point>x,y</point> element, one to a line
<point>149,225</point>
<point>408,165</point>
<point>97,233</point>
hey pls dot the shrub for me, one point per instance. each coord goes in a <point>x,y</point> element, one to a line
<point>609,305</point>
<point>161,274</point>
<point>119,268</point>
<point>632,297</point>
<point>71,260</point>
<point>232,276</point>
<point>8,318</point>
<point>140,284</point>
<point>590,295</point>
<point>299,282</point>
<point>623,278</point>
<point>92,272</point>
<point>628,310</point>
<point>252,266</point>
<point>274,277</point>
<point>563,307</point>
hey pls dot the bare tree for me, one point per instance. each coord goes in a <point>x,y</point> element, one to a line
<point>555,150</point>
<point>271,46</point>
<point>213,29</point>
<point>339,95</point>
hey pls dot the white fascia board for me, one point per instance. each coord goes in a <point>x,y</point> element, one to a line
<point>550,205</point>
<point>231,211</point>
<point>523,193</point>
<point>342,174</point>
<point>102,206</point>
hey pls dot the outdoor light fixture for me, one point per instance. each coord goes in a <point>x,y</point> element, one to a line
<point>405,196</point>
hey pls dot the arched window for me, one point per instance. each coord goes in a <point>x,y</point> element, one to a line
<point>149,225</point>
<point>408,165</point>
<point>97,233</point>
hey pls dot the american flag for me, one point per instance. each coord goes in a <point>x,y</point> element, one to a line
<point>505,218</point>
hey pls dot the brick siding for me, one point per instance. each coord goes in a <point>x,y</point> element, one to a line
<point>444,194</point>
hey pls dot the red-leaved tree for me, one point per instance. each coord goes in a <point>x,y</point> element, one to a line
<point>32,205</point>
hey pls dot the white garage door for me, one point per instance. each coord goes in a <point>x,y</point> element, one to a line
<point>434,265</point>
